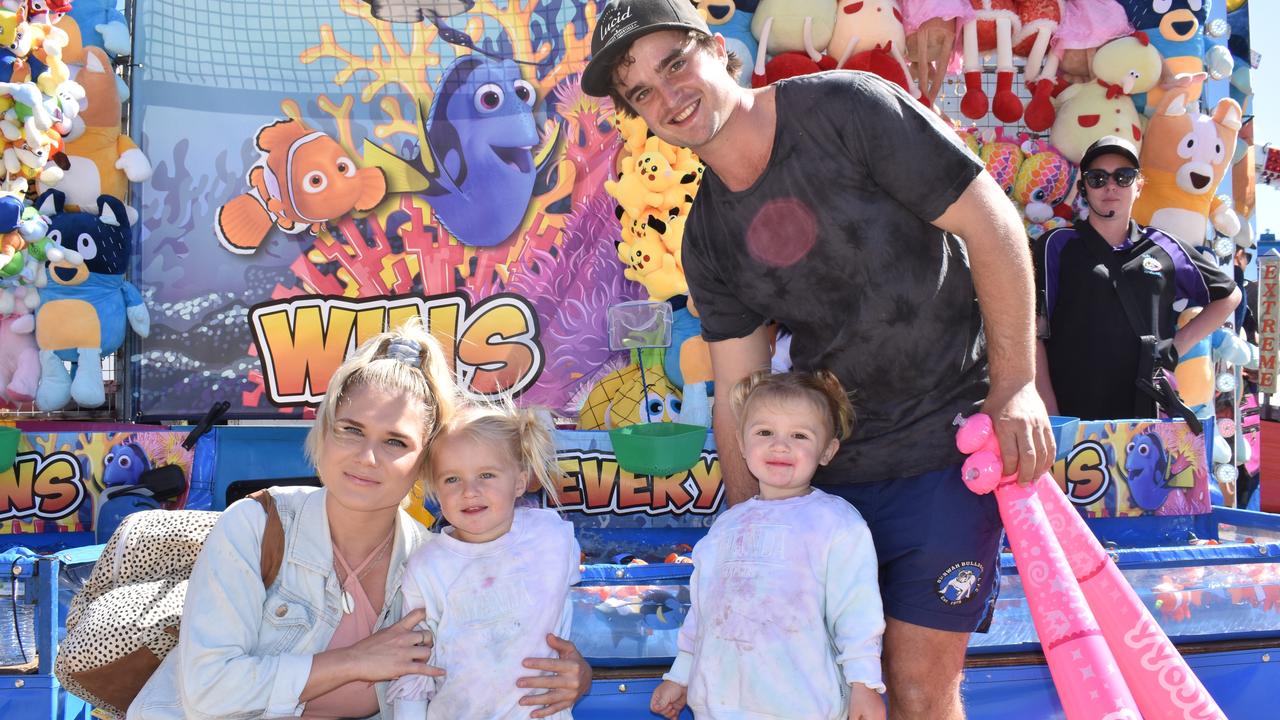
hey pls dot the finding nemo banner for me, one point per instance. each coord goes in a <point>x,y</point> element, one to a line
<point>327,168</point>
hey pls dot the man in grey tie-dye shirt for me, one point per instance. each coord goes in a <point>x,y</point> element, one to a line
<point>839,207</point>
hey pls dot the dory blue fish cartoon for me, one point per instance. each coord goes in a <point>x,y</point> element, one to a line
<point>124,464</point>
<point>1146,469</point>
<point>479,151</point>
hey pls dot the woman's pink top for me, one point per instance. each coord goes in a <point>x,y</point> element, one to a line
<point>355,699</point>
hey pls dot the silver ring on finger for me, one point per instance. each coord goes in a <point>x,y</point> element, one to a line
<point>423,638</point>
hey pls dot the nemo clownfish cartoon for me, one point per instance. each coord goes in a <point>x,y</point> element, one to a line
<point>303,180</point>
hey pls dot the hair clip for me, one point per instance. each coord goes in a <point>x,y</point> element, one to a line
<point>406,351</point>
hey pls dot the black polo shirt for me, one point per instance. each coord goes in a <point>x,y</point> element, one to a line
<point>1092,346</point>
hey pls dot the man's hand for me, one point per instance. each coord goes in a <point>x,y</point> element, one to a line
<point>669,699</point>
<point>1022,427</point>
<point>569,680</point>
<point>865,703</point>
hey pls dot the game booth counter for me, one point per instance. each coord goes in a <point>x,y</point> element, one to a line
<point>1209,577</point>
<point>298,176</point>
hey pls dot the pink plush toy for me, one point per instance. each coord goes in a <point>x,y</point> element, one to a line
<point>1085,26</point>
<point>19,359</point>
<point>930,26</point>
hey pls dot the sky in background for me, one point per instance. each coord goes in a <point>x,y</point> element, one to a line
<point>1265,14</point>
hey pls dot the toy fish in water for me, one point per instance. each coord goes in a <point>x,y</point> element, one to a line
<point>664,610</point>
<point>303,180</point>
<point>479,151</point>
<point>1146,469</point>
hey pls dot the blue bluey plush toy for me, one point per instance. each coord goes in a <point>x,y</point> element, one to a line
<point>83,308</point>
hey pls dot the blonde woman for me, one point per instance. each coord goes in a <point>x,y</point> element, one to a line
<point>322,641</point>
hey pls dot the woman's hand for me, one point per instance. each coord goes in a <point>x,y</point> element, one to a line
<point>394,651</point>
<point>569,680</point>
<point>388,654</point>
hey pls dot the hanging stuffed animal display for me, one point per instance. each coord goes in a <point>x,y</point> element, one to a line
<point>1043,187</point>
<point>84,308</point>
<point>872,28</point>
<point>1184,159</point>
<point>103,160</point>
<point>732,19</point>
<point>1091,110</point>
<point>995,25</point>
<point>795,35</point>
<point>655,188</point>
<point>930,26</point>
<point>1176,29</point>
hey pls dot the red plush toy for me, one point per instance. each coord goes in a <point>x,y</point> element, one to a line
<point>791,64</point>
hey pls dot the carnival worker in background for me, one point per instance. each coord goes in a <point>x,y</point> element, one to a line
<point>1107,293</point>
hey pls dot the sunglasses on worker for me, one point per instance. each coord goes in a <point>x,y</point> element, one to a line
<point>1097,178</point>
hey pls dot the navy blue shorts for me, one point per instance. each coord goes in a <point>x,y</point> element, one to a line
<point>938,545</point>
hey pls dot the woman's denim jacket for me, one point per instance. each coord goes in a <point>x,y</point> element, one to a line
<point>245,651</point>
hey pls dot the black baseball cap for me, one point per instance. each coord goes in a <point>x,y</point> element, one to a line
<point>621,23</point>
<point>1110,145</point>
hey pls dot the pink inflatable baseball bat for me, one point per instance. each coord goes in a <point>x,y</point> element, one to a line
<point>1160,679</point>
<point>1084,671</point>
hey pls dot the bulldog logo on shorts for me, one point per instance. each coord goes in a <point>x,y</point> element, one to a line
<point>957,585</point>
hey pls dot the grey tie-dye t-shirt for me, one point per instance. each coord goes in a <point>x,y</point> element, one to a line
<point>834,241</point>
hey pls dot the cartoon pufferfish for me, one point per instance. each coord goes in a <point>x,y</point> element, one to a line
<point>302,180</point>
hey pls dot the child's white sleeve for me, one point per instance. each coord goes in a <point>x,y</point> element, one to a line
<point>573,575</point>
<point>855,616</point>
<point>408,694</point>
<point>687,639</point>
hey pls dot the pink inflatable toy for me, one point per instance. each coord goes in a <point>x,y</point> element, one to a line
<point>1112,664</point>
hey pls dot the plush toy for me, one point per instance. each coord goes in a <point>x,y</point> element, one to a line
<point>48,69</point>
<point>83,309</point>
<point>797,33</point>
<point>12,241</point>
<point>993,28</point>
<point>650,263</point>
<point>1176,29</point>
<point>732,19</point>
<point>1002,157</point>
<point>1042,189</point>
<point>103,160</point>
<point>1184,159</point>
<point>15,42</point>
<point>102,25</point>
<point>1196,367</point>
<point>688,365</point>
<point>24,112</point>
<point>47,12</point>
<point>1086,26</point>
<point>651,180</point>
<point>1038,22</point>
<point>1089,111</point>
<point>930,27</point>
<point>866,26</point>
<point>629,396</point>
<point>19,359</point>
